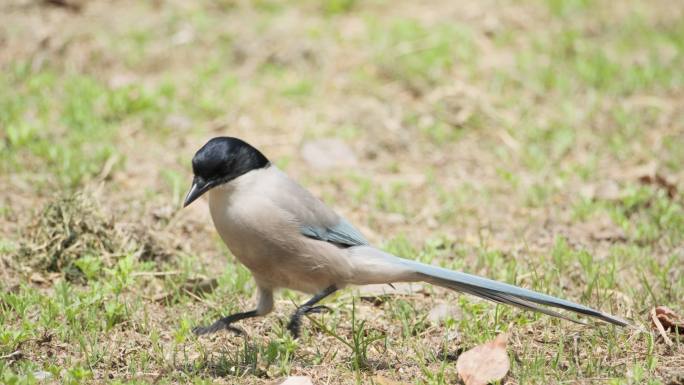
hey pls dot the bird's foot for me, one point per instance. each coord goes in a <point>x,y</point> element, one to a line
<point>296,321</point>
<point>221,324</point>
<point>316,309</point>
<point>225,323</point>
<point>294,325</point>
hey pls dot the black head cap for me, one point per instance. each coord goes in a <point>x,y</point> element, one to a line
<point>221,160</point>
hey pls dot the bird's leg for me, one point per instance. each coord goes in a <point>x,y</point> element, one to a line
<point>264,306</point>
<point>308,307</point>
<point>225,323</point>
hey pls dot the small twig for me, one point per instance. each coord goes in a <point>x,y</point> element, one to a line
<point>107,168</point>
<point>660,328</point>
<point>17,353</point>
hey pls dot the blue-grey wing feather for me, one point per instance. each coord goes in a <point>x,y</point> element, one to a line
<point>316,220</point>
<point>342,233</point>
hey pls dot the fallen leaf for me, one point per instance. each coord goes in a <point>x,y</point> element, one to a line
<point>443,311</point>
<point>664,319</point>
<point>381,380</point>
<point>484,363</point>
<point>325,154</point>
<point>671,321</point>
<point>660,181</point>
<point>293,380</point>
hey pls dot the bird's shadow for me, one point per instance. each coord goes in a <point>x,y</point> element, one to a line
<point>236,362</point>
<point>253,359</point>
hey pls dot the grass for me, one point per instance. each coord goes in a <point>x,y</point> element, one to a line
<point>514,140</point>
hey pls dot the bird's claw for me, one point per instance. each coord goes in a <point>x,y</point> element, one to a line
<point>294,325</point>
<point>216,326</point>
<point>316,309</point>
<point>295,322</point>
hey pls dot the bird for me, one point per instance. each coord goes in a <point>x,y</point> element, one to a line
<point>288,238</point>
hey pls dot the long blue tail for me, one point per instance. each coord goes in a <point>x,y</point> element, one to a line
<point>501,292</point>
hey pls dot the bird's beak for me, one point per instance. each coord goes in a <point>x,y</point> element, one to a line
<point>199,187</point>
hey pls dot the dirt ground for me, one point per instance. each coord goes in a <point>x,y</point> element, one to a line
<point>539,143</point>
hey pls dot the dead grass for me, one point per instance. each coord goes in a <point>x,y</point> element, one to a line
<point>66,230</point>
<point>74,229</point>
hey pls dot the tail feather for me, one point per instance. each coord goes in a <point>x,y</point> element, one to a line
<point>510,300</point>
<point>488,289</point>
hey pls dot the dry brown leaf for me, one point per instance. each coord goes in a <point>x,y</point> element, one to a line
<point>381,380</point>
<point>671,321</point>
<point>293,380</point>
<point>664,319</point>
<point>660,181</point>
<point>649,174</point>
<point>484,363</point>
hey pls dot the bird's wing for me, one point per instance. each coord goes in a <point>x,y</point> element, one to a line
<point>342,233</point>
<point>316,220</point>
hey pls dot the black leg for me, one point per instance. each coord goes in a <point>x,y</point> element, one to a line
<point>224,323</point>
<point>308,307</point>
